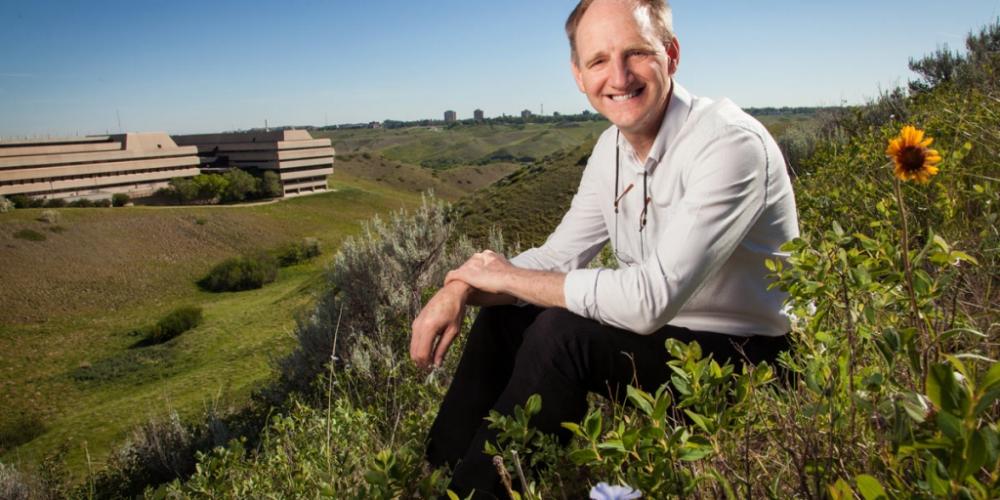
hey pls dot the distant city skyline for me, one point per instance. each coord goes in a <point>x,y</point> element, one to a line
<point>77,68</point>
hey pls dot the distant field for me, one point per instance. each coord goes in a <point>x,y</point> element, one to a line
<point>439,147</point>
<point>71,301</point>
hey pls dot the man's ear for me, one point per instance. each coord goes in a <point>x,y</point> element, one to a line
<point>674,52</point>
<point>578,76</point>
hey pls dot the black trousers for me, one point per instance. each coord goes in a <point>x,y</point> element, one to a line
<point>514,352</point>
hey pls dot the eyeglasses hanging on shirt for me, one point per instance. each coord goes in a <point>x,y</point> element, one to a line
<point>618,197</point>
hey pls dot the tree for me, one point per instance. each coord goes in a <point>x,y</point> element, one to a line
<point>239,185</point>
<point>210,186</point>
<point>184,189</point>
<point>270,185</point>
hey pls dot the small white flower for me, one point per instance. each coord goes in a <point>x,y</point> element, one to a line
<point>604,491</point>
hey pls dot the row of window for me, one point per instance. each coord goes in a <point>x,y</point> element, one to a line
<point>18,182</point>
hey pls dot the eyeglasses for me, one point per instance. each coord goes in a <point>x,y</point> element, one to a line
<point>618,197</point>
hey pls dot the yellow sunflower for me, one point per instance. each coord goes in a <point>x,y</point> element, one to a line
<point>914,160</point>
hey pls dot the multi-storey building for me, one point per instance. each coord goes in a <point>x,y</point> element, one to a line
<point>93,167</point>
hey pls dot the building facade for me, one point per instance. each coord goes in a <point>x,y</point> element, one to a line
<point>478,115</point>
<point>94,167</point>
<point>450,116</point>
<point>301,162</point>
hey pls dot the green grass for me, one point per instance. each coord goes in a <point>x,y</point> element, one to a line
<point>73,302</point>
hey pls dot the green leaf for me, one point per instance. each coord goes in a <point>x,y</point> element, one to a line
<point>534,405</point>
<point>698,420</point>
<point>938,486</point>
<point>452,495</point>
<point>593,425</point>
<point>870,488</point>
<point>584,456</point>
<point>641,399</point>
<point>840,490</point>
<point>975,454</point>
<point>691,452</point>
<point>574,428</point>
<point>949,425</point>
<point>942,389</point>
<point>992,378</point>
<point>614,444</point>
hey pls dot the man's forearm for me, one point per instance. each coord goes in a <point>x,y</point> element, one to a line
<point>542,288</point>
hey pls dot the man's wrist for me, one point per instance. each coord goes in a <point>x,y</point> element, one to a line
<point>460,288</point>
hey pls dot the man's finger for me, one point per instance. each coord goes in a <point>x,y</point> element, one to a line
<point>442,347</point>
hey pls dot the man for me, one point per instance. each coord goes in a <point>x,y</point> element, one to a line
<point>693,196</point>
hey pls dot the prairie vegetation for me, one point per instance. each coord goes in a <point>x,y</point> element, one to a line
<point>890,391</point>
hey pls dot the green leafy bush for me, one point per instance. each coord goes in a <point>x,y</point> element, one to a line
<point>240,273</point>
<point>173,324</point>
<point>297,252</point>
<point>120,199</point>
<point>55,202</point>
<point>240,185</point>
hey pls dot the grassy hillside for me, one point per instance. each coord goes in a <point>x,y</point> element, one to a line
<point>71,301</point>
<point>465,144</point>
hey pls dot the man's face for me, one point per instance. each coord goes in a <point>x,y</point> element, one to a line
<point>623,67</point>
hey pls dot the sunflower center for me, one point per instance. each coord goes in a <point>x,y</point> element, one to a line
<point>911,158</point>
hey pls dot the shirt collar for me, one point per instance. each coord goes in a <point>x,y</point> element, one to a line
<point>677,112</point>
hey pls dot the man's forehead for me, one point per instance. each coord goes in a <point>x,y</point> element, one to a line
<point>610,12</point>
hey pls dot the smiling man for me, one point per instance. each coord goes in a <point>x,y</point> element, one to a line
<point>693,196</point>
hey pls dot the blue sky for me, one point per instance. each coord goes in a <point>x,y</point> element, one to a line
<point>74,67</point>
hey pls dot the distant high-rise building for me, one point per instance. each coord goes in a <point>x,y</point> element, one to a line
<point>526,114</point>
<point>450,116</point>
<point>478,115</point>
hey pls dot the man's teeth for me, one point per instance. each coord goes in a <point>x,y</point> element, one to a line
<point>624,97</point>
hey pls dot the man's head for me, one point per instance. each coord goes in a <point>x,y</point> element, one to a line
<point>658,11</point>
<point>624,55</point>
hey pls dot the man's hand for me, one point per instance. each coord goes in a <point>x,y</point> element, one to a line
<point>485,271</point>
<point>441,320</point>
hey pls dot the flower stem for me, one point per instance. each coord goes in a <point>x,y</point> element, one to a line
<point>908,273</point>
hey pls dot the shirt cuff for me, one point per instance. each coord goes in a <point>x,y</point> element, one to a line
<point>580,291</point>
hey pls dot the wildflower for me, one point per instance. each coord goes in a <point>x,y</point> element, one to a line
<point>913,159</point>
<point>604,491</point>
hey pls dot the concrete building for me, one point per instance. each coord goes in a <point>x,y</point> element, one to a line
<point>301,162</point>
<point>525,114</point>
<point>478,115</point>
<point>450,116</point>
<point>93,167</point>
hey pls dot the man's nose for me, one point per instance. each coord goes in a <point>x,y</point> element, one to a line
<point>621,74</point>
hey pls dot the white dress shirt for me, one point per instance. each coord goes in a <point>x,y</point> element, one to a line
<point>721,203</point>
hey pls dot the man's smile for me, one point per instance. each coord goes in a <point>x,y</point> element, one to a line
<point>626,96</point>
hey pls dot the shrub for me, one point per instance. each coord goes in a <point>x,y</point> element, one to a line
<point>301,251</point>
<point>29,235</point>
<point>103,203</point>
<point>270,185</point>
<point>210,186</point>
<point>120,199</point>
<point>183,189</point>
<point>13,484</point>
<point>240,273</point>
<point>6,205</point>
<point>81,203</point>
<point>50,216</point>
<point>239,185</point>
<point>177,322</point>
<point>20,201</point>
<point>55,202</point>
